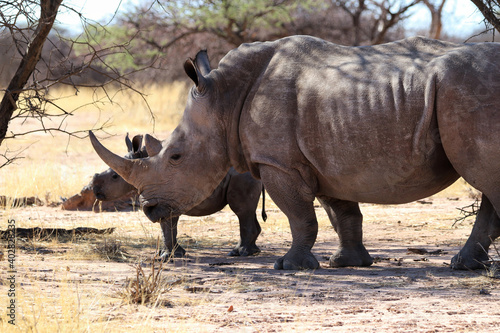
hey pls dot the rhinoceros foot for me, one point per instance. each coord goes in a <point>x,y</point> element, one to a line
<point>297,260</point>
<point>244,251</point>
<point>464,261</point>
<point>351,257</point>
<point>166,254</point>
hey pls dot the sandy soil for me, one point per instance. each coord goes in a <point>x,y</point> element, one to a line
<point>209,291</point>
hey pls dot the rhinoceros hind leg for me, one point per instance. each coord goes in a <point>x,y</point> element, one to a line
<point>486,228</point>
<point>249,231</point>
<point>468,130</point>
<point>243,196</point>
<point>346,219</point>
<point>351,257</point>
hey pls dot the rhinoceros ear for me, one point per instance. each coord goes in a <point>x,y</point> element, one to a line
<point>129,144</point>
<point>153,146</point>
<point>202,62</point>
<point>136,143</point>
<point>195,74</point>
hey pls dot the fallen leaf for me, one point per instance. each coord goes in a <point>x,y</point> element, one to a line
<point>230,309</point>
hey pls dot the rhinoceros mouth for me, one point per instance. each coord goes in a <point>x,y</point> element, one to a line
<point>156,210</point>
<point>98,193</point>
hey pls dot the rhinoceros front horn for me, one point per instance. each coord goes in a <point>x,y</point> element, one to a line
<point>120,165</point>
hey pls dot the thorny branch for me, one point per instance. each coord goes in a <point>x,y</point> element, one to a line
<point>10,159</point>
<point>491,12</point>
<point>467,211</point>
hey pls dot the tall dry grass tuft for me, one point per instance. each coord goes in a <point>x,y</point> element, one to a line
<point>146,288</point>
<point>111,249</point>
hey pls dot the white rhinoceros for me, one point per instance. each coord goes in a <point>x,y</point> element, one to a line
<point>383,124</point>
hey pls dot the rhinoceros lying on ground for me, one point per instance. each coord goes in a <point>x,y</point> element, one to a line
<point>240,191</point>
<point>383,124</point>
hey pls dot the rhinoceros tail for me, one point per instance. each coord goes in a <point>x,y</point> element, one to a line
<point>264,215</point>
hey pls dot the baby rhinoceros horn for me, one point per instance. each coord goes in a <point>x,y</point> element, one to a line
<point>122,166</point>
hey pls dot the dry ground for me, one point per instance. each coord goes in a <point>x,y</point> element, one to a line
<point>72,285</point>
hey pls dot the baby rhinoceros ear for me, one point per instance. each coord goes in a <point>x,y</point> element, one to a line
<point>130,148</point>
<point>153,146</point>
<point>136,143</point>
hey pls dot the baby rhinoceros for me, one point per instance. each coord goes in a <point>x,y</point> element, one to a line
<point>240,191</point>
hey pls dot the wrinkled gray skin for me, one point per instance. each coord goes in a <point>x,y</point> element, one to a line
<point>384,124</point>
<point>240,191</point>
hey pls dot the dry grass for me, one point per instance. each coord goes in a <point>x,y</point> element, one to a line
<point>112,249</point>
<point>55,165</point>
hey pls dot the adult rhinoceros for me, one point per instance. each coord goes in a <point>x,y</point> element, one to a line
<point>383,124</point>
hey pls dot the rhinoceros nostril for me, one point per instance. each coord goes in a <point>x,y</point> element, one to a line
<point>99,195</point>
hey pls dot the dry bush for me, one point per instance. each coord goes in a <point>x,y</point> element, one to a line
<point>492,268</point>
<point>146,288</point>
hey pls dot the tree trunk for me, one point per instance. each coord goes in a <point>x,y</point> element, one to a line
<point>356,22</point>
<point>48,12</point>
<point>436,18</point>
<point>436,26</point>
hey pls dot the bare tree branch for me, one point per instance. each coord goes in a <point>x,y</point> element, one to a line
<point>384,14</point>
<point>490,10</point>
<point>10,159</point>
<point>389,17</point>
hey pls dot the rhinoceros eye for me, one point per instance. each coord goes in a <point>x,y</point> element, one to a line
<point>115,176</point>
<point>175,157</point>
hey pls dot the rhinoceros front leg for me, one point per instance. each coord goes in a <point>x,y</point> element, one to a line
<point>295,199</point>
<point>486,228</point>
<point>169,231</point>
<point>347,220</point>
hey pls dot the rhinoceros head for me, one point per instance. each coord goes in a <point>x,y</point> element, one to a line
<point>184,169</point>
